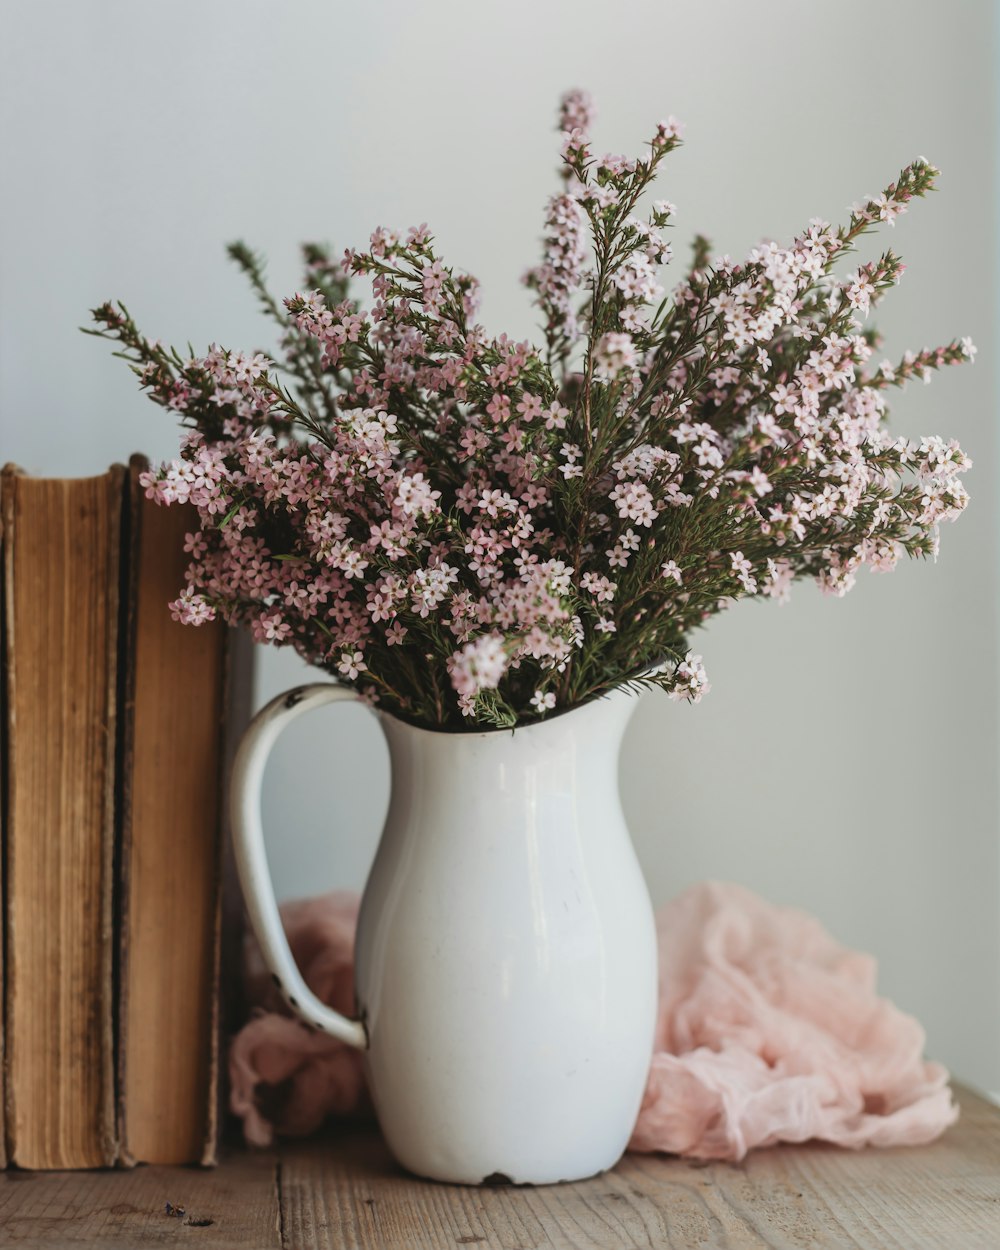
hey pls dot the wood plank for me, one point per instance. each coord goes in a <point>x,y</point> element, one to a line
<point>233,1207</point>
<point>343,1192</point>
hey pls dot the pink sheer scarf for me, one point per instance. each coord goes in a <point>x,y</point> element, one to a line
<point>768,1031</point>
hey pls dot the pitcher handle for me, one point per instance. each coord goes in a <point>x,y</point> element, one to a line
<point>251,857</point>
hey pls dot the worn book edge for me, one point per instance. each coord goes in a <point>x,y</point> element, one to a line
<point>234,693</point>
<point>106,1128</point>
<point>10,471</point>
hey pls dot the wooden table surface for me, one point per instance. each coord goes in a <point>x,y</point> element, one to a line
<point>341,1191</point>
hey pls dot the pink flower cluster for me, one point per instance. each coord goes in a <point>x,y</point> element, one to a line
<point>476,531</point>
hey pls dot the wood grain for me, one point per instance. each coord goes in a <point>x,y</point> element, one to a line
<point>348,1195</point>
<point>341,1191</point>
<point>234,1207</point>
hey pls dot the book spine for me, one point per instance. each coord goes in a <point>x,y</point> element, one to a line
<point>117,479</point>
<point>6,488</point>
<point>131,545</point>
<point>178,695</point>
<point>61,560</point>
<point>237,709</point>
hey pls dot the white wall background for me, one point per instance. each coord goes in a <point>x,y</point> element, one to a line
<point>846,758</point>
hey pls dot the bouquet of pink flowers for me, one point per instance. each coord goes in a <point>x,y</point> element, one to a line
<point>478,532</point>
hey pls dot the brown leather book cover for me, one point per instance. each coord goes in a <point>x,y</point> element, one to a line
<point>171,787</point>
<point>62,542</point>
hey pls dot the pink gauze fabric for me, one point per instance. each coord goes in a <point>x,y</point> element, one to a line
<point>768,1031</point>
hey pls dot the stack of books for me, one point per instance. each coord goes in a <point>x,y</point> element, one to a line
<point>117,722</point>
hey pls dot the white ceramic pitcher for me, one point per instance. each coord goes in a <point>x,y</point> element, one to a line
<point>506,950</point>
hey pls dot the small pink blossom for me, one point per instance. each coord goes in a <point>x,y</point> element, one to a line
<point>635,502</point>
<point>602,588</point>
<point>351,665</point>
<point>671,129</point>
<point>479,665</point>
<point>543,701</point>
<point>191,608</point>
<point>615,352</point>
<point>270,627</point>
<point>576,111</point>
<point>556,414</point>
<point>690,681</point>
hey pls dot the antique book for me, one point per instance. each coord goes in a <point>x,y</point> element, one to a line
<point>178,686</point>
<point>62,545</point>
